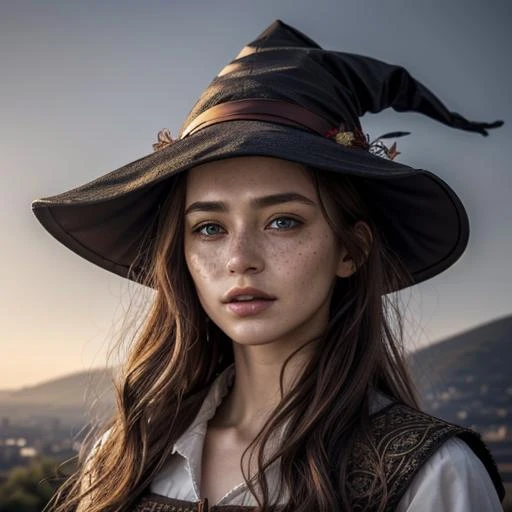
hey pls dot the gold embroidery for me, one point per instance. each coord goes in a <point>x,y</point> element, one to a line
<point>403,438</point>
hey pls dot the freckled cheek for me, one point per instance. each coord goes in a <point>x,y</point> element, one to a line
<point>306,262</point>
<point>294,261</point>
<point>281,258</point>
<point>203,265</point>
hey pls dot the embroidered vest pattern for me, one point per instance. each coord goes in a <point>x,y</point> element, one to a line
<point>404,439</point>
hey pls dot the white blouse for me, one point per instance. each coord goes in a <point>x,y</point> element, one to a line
<point>452,480</point>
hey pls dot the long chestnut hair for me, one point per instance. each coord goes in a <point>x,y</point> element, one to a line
<point>169,369</point>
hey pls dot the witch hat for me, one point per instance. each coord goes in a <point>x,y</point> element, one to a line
<point>283,96</point>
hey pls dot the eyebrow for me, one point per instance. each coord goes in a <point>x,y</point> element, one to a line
<point>258,202</point>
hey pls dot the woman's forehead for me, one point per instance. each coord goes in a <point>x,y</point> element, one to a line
<point>248,176</point>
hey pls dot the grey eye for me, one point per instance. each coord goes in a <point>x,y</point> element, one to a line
<point>284,223</point>
<point>210,229</point>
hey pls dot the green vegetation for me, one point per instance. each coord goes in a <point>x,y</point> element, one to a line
<point>507,502</point>
<point>29,489</point>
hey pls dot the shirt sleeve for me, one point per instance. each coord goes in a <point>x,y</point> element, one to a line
<point>88,476</point>
<point>452,480</point>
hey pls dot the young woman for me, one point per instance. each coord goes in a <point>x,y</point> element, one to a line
<point>269,374</point>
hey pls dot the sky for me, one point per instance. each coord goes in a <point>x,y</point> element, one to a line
<point>85,87</point>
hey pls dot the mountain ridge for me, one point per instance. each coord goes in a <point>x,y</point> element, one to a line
<point>482,350</point>
<point>485,348</point>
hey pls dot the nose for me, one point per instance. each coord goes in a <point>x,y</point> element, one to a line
<point>245,255</point>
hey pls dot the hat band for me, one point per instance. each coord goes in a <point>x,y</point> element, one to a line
<point>260,109</point>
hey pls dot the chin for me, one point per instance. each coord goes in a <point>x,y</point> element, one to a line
<point>259,335</point>
<point>251,338</point>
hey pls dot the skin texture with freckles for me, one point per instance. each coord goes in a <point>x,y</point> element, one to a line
<point>239,235</point>
<point>287,250</point>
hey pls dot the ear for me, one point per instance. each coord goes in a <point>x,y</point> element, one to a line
<point>347,266</point>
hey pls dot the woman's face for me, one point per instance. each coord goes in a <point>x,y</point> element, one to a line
<point>261,254</point>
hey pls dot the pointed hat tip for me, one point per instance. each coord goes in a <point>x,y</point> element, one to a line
<point>279,33</point>
<point>489,126</point>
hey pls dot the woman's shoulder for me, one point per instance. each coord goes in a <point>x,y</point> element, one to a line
<point>89,471</point>
<point>405,441</point>
<point>452,479</point>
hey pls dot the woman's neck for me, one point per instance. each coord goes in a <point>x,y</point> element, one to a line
<point>256,390</point>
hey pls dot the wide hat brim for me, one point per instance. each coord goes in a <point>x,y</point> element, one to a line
<point>419,216</point>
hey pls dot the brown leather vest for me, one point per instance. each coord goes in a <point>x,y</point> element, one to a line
<point>404,437</point>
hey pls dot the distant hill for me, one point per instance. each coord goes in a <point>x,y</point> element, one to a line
<point>467,379</point>
<point>65,390</point>
<point>69,398</point>
<point>481,355</point>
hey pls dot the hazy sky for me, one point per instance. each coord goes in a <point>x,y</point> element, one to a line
<point>85,86</point>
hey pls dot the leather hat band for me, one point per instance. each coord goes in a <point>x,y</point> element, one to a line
<point>260,109</point>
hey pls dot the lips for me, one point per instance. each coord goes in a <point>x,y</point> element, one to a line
<point>244,302</point>
<point>246,295</point>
